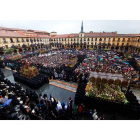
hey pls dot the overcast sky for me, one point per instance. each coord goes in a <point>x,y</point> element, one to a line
<point>74,26</point>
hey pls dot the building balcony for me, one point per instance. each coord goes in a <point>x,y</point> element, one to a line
<point>123,40</point>
<point>12,41</point>
<point>118,40</point>
<point>5,42</point>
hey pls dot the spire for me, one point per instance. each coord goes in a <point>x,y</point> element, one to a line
<point>82,28</point>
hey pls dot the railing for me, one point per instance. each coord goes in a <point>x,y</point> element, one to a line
<point>18,41</point>
<point>12,41</point>
<point>123,40</point>
<point>5,41</point>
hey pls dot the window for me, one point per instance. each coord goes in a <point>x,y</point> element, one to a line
<point>100,39</point>
<point>117,44</point>
<point>11,40</point>
<point>122,44</point>
<point>95,39</point>
<point>104,39</point>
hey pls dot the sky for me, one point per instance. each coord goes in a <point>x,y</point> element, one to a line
<point>74,26</point>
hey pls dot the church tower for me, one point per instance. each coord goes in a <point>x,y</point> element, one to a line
<point>82,28</point>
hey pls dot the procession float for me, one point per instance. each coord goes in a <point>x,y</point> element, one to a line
<point>106,86</point>
<point>28,71</point>
<point>71,60</point>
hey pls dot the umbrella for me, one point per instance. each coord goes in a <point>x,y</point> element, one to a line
<point>89,58</point>
<point>84,64</point>
<point>6,103</point>
<point>2,100</point>
<point>118,66</point>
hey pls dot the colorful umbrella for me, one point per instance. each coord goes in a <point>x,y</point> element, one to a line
<point>6,103</point>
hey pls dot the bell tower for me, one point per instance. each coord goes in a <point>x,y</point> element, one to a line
<point>82,28</point>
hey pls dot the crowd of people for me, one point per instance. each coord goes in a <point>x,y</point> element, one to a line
<point>19,104</point>
<point>54,65</point>
<point>27,103</point>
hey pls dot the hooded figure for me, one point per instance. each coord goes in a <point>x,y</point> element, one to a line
<point>95,117</point>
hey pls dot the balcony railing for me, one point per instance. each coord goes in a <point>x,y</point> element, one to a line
<point>12,41</point>
<point>5,41</point>
<point>123,40</point>
<point>18,41</point>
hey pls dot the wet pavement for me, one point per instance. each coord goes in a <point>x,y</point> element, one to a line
<point>59,93</point>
